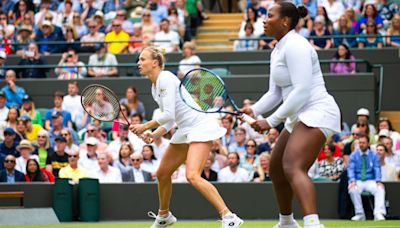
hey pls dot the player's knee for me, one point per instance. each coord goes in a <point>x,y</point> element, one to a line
<point>289,170</point>
<point>192,177</point>
<point>162,175</point>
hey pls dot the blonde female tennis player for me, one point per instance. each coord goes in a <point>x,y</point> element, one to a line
<point>191,143</point>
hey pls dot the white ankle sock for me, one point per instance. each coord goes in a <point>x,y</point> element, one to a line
<point>310,220</point>
<point>164,216</point>
<point>286,219</point>
<point>227,215</point>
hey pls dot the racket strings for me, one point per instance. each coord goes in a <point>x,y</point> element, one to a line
<point>206,89</point>
<point>100,103</point>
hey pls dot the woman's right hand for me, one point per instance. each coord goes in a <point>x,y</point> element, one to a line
<point>247,110</point>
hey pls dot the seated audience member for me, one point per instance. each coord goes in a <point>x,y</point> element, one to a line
<point>135,105</point>
<point>44,148</point>
<point>166,38</point>
<point>94,131</point>
<point>255,20</point>
<point>35,174</point>
<point>71,39</point>
<point>149,26</point>
<point>393,32</point>
<point>106,173</point>
<point>331,167</point>
<point>67,134</point>
<point>150,162</point>
<point>233,173</point>
<point>70,67</point>
<point>208,173</point>
<point>57,111</point>
<point>88,156</point>
<point>59,159</point>
<point>9,174</point>
<point>102,64</point>
<point>337,153</point>
<point>32,57</point>
<point>136,41</point>
<point>158,12</point>
<point>55,131</point>
<point>229,138</point>
<point>135,141</point>
<point>115,39</point>
<point>247,41</point>
<point>344,28</point>
<point>363,116</point>
<point>190,59</point>
<point>385,128</point>
<point>72,103</point>
<point>25,149</point>
<point>9,145</point>
<point>389,172</point>
<point>118,123</point>
<point>387,10</point>
<point>370,38</point>
<point>320,30</point>
<point>270,141</point>
<point>334,9</point>
<point>343,54</point>
<point>239,145</point>
<point>179,176</point>
<point>220,154</point>
<point>262,172</point>
<point>123,161</point>
<point>32,130</point>
<point>13,92</point>
<point>115,145</point>
<point>3,108</point>
<point>300,29</point>
<point>250,160</point>
<point>72,170</point>
<point>364,172</point>
<point>29,109</point>
<point>391,157</point>
<point>48,34</point>
<point>370,13</point>
<point>137,174</point>
<point>94,37</point>
<point>23,39</point>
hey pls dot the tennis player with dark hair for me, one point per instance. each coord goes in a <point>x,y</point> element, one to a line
<point>310,114</point>
<point>191,143</point>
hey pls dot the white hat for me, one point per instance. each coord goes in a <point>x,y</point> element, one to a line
<point>25,144</point>
<point>3,55</point>
<point>362,112</point>
<point>384,133</point>
<point>91,141</point>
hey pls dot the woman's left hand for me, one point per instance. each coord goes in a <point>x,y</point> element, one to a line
<point>137,129</point>
<point>260,126</point>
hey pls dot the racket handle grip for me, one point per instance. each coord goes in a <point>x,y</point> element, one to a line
<point>248,118</point>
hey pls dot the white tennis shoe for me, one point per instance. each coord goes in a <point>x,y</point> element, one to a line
<point>294,224</point>
<point>162,222</point>
<point>231,221</point>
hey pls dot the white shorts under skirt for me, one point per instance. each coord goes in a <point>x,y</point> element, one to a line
<point>204,131</point>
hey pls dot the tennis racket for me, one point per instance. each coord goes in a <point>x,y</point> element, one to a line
<point>204,91</point>
<point>102,104</point>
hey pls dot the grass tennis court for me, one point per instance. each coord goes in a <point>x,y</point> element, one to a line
<point>216,224</point>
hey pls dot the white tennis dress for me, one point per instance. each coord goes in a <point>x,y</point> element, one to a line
<point>296,78</point>
<point>193,126</point>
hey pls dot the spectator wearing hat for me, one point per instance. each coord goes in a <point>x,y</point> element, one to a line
<point>28,108</point>
<point>23,39</point>
<point>88,156</point>
<point>3,57</point>
<point>57,111</point>
<point>32,57</point>
<point>9,145</point>
<point>385,128</point>
<point>3,107</point>
<point>32,130</point>
<point>13,92</point>
<point>72,170</point>
<point>9,174</point>
<point>363,116</point>
<point>93,36</point>
<point>99,18</point>
<point>25,149</point>
<point>59,159</point>
<point>126,25</point>
<point>55,130</point>
<point>116,38</point>
<point>48,35</point>
<point>104,61</point>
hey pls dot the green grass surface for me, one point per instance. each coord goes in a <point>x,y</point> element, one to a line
<point>216,224</point>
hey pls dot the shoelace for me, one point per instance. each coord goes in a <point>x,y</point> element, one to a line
<point>152,215</point>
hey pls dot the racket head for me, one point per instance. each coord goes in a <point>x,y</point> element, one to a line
<point>204,91</point>
<point>100,102</point>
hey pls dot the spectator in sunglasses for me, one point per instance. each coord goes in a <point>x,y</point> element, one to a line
<point>9,174</point>
<point>72,170</point>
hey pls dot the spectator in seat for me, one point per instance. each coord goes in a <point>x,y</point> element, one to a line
<point>102,63</point>
<point>116,38</point>
<point>160,145</point>
<point>233,173</point>
<point>88,9</point>
<point>252,17</point>
<point>334,9</point>
<point>9,145</point>
<point>239,145</point>
<point>43,148</point>
<point>389,172</point>
<point>29,58</point>
<point>21,8</point>
<point>248,41</point>
<point>262,172</point>
<point>208,173</point>
<point>70,67</point>
<point>133,102</point>
<point>177,25</point>
<point>363,116</point>
<point>126,25</point>
<point>3,108</point>
<point>331,167</point>
<point>370,13</point>
<point>364,174</point>
<point>72,170</point>
<point>123,161</point>
<point>376,41</point>
<point>78,24</point>
<point>93,36</point>
<point>23,38</point>
<point>158,12</point>
<point>320,30</point>
<point>386,125</point>
<point>190,59</point>
<point>25,149</point>
<point>321,11</point>
<point>229,138</point>
<point>28,109</point>
<point>106,173</point>
<point>57,111</point>
<point>88,156</point>
<point>35,174</point>
<point>94,131</point>
<point>166,38</point>
<point>220,155</point>
<point>270,141</point>
<point>59,159</point>
<point>137,174</point>
<point>344,28</point>
<point>150,162</point>
<point>343,54</point>
<point>32,130</point>
<point>71,39</point>
<point>137,41</point>
<point>43,11</point>
<point>9,174</point>
<point>250,161</point>
<point>48,35</point>
<point>13,92</point>
<point>115,145</point>
<point>67,134</point>
<point>64,17</point>
<point>72,103</point>
<point>12,118</point>
<point>394,32</point>
<point>391,157</point>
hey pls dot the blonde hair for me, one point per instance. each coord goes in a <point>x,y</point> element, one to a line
<point>157,54</point>
<point>190,45</point>
<point>260,170</point>
<point>392,29</point>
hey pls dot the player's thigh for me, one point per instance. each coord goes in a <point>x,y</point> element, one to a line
<point>303,147</point>
<point>197,156</point>
<point>174,156</point>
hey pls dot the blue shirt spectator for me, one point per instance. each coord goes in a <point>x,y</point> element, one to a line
<point>46,34</point>
<point>373,166</point>
<point>157,11</point>
<point>351,42</point>
<point>9,145</point>
<point>53,113</point>
<point>7,6</point>
<point>255,4</point>
<point>311,6</point>
<point>14,93</point>
<point>109,6</point>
